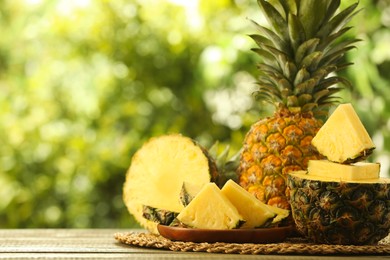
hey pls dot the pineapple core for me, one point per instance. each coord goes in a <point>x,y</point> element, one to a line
<point>345,172</point>
<point>210,209</point>
<point>343,137</point>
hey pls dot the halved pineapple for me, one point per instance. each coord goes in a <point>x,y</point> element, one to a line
<point>157,172</point>
<point>343,137</point>
<point>254,212</point>
<point>210,209</point>
<point>333,211</point>
<point>339,203</point>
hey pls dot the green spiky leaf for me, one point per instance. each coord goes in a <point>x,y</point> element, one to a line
<point>311,14</point>
<point>260,40</point>
<point>296,31</point>
<point>337,22</point>
<point>276,20</point>
<point>272,36</point>
<point>312,60</point>
<point>305,48</point>
<point>302,75</point>
<point>334,57</point>
<point>289,7</point>
<point>289,70</point>
<point>326,43</point>
<point>332,8</point>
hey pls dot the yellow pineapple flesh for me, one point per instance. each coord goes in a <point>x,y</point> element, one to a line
<point>210,209</point>
<point>157,172</point>
<point>254,212</point>
<point>350,172</point>
<point>351,144</point>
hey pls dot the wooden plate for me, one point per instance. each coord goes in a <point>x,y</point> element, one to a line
<point>257,235</point>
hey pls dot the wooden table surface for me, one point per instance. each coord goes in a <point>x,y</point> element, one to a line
<point>101,244</point>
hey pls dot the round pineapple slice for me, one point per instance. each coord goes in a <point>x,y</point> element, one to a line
<point>157,172</point>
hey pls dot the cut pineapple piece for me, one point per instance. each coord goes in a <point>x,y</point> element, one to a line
<point>343,137</point>
<point>356,171</point>
<point>210,209</point>
<point>306,176</point>
<point>254,212</point>
<point>157,173</point>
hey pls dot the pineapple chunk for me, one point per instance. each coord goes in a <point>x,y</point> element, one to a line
<point>255,212</point>
<point>356,171</point>
<point>343,137</point>
<point>306,176</point>
<point>210,209</point>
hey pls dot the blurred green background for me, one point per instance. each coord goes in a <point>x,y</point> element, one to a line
<point>84,83</point>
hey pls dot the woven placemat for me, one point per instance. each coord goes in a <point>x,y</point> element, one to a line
<point>292,246</point>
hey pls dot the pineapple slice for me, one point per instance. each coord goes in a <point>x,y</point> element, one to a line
<point>343,137</point>
<point>345,172</point>
<point>255,212</point>
<point>210,209</point>
<point>157,173</point>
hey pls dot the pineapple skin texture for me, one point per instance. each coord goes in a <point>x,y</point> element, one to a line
<point>332,212</point>
<point>272,148</point>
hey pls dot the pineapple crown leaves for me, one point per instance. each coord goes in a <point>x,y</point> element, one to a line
<point>299,51</point>
<point>226,165</point>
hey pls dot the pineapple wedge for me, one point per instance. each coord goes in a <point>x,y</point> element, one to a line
<point>157,172</point>
<point>254,212</point>
<point>345,172</point>
<point>210,209</point>
<point>343,138</point>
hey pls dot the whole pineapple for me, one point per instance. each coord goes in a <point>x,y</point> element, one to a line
<point>300,52</point>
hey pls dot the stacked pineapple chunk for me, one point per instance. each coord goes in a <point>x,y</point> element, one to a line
<point>344,150</point>
<point>341,200</point>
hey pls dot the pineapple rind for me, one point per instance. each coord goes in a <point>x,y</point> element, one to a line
<point>160,216</point>
<point>331,211</point>
<point>188,192</point>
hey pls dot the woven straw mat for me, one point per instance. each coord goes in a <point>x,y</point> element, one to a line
<point>292,246</point>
